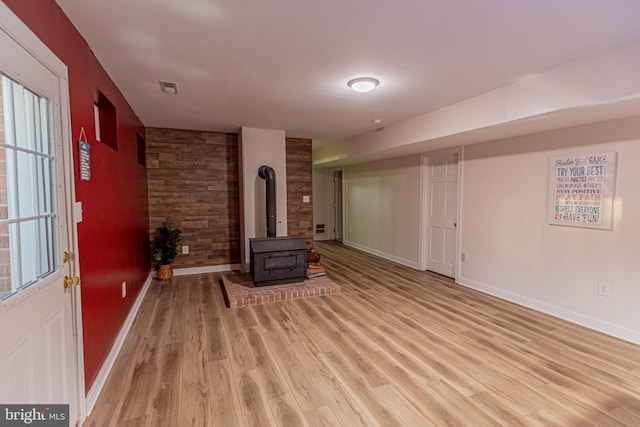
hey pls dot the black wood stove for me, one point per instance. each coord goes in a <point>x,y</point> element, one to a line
<point>276,260</point>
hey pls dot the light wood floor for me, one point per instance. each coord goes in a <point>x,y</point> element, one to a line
<point>396,348</point>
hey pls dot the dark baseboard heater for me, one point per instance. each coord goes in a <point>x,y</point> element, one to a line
<point>278,260</point>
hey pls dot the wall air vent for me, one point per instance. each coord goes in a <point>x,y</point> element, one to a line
<point>319,228</point>
<point>169,87</point>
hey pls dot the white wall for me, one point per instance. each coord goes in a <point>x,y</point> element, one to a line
<point>382,208</point>
<point>261,147</point>
<point>512,252</point>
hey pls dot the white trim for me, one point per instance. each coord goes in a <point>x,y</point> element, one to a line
<point>611,329</point>
<point>14,27</point>
<point>101,379</point>
<point>72,230</point>
<point>460,230</point>
<point>207,269</point>
<point>423,214</point>
<point>390,257</point>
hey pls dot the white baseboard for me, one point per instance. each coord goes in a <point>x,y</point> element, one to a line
<point>390,257</point>
<point>96,388</point>
<point>207,269</point>
<point>612,329</point>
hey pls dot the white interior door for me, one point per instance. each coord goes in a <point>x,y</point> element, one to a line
<point>38,352</point>
<point>443,212</point>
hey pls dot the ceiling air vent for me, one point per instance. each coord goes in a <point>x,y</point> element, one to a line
<point>169,87</point>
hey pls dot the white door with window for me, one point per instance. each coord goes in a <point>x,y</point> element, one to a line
<point>39,353</point>
<point>442,185</point>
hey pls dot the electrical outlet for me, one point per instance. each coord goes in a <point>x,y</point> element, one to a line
<point>185,250</point>
<point>463,257</point>
<point>124,289</point>
<point>604,289</point>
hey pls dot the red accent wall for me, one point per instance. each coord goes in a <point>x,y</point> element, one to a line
<point>113,237</point>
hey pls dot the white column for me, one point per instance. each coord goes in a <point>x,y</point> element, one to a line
<point>260,147</point>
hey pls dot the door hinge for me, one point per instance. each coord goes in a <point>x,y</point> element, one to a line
<point>71,281</point>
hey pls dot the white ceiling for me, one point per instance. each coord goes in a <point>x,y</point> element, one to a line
<point>284,64</point>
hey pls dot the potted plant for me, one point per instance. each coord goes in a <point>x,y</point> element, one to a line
<point>165,249</point>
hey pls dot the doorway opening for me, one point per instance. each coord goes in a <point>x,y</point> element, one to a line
<point>337,206</point>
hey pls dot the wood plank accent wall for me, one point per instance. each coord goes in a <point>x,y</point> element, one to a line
<point>299,184</point>
<point>193,184</point>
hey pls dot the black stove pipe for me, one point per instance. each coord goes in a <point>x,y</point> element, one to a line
<point>269,175</point>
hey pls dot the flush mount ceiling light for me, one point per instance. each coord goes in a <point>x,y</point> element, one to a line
<point>168,87</point>
<point>363,84</point>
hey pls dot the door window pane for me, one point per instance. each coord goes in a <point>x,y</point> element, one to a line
<point>27,191</point>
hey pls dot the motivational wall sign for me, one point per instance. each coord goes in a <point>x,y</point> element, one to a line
<point>84,156</point>
<point>581,190</point>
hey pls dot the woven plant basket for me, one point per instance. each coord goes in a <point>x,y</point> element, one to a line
<point>165,272</point>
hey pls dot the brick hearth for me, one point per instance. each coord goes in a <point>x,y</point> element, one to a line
<point>239,291</point>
